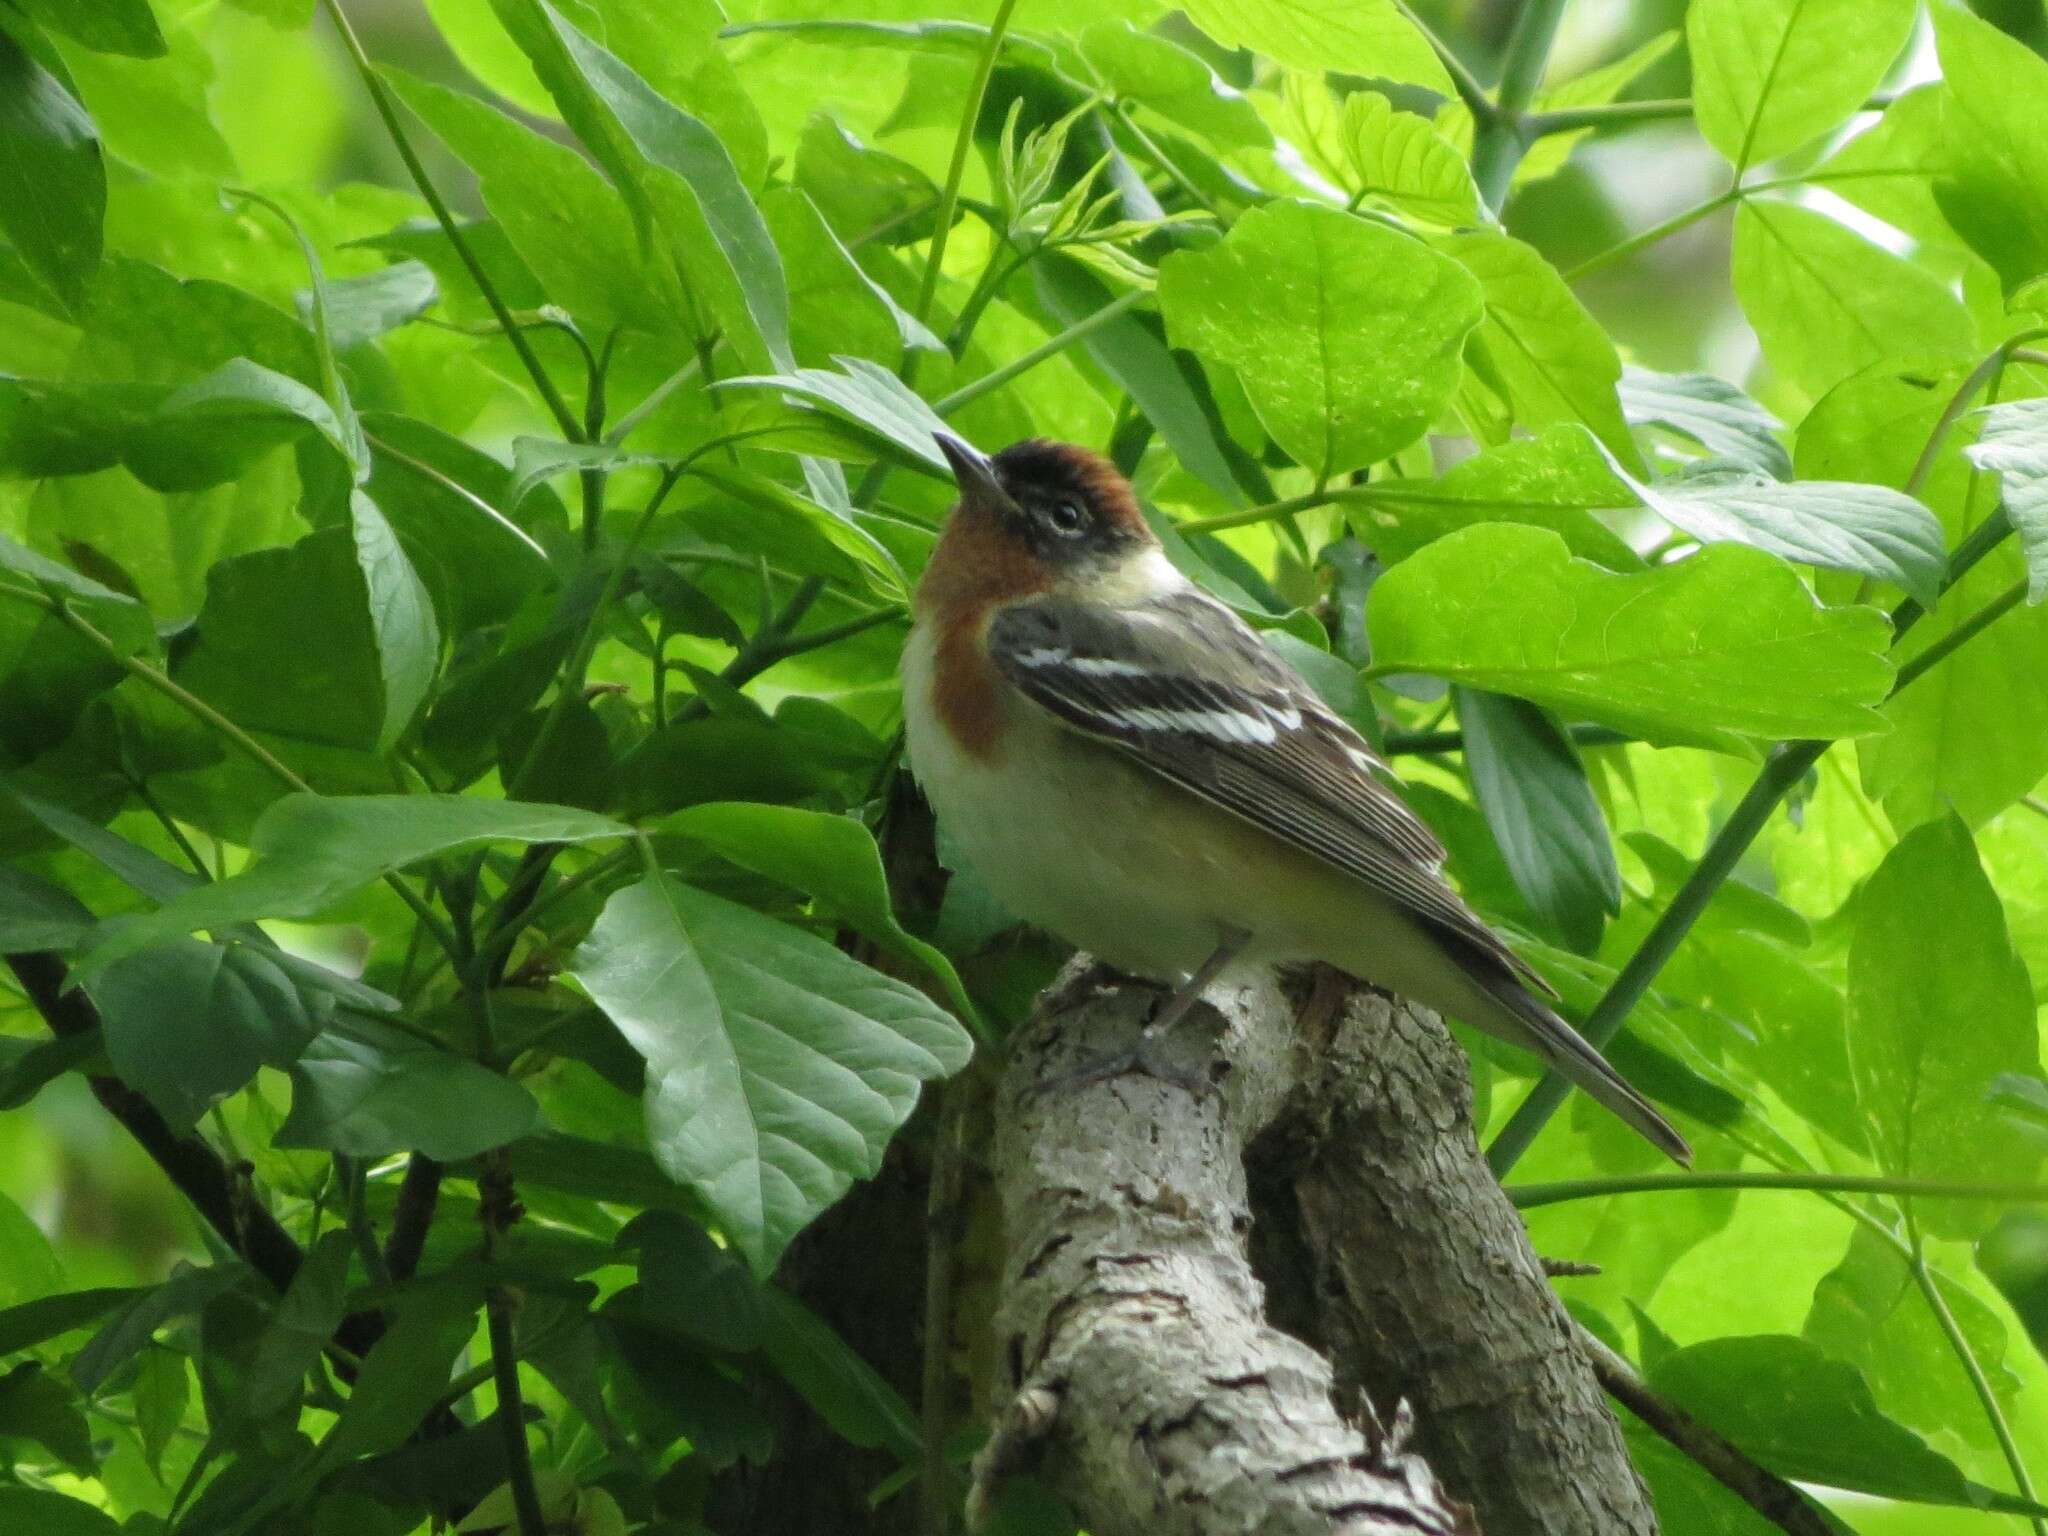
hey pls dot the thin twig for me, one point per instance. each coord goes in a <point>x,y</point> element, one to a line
<point>498,1208</point>
<point>956,168</point>
<point>1758,1487</point>
<point>514,332</point>
<point>1528,1197</point>
<point>418,1195</point>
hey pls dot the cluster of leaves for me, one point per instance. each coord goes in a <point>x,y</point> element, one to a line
<point>448,718</point>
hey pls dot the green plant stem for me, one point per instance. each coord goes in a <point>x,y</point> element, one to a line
<point>204,712</point>
<point>380,99</point>
<point>770,643</point>
<point>1470,91</point>
<point>1964,632</point>
<point>1930,1289</point>
<point>1501,140</point>
<point>1612,114</point>
<point>956,168</point>
<point>1267,511</point>
<point>1436,743</point>
<point>1787,763</point>
<point>498,940</point>
<point>1163,160</point>
<point>512,1414</point>
<point>1051,347</point>
<point>1529,1197</point>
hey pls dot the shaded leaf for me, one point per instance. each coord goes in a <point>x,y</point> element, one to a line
<point>1710,411</point>
<point>53,184</point>
<point>374,1092</point>
<point>2012,441</point>
<point>777,1067</point>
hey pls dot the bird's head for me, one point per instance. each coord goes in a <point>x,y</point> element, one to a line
<point>1054,510</point>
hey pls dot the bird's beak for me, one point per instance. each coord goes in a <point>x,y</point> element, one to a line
<point>975,475</point>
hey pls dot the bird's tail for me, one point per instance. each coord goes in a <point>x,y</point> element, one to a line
<point>1519,1017</point>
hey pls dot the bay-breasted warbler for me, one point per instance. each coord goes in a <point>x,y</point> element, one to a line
<point>1125,763</point>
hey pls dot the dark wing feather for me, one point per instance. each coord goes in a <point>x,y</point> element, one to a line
<point>1183,686</point>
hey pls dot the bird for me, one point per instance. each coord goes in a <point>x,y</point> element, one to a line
<point>1126,764</point>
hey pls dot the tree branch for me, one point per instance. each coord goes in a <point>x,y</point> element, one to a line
<point>1158,1385</point>
<point>1762,1490</point>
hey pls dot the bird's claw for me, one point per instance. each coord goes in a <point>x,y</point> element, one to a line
<point>1144,1059</point>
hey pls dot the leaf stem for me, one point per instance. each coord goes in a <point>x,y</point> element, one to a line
<point>381,100</point>
<point>1470,91</point>
<point>1930,1289</point>
<point>1964,632</point>
<point>1051,347</point>
<point>1683,219</point>
<point>956,168</point>
<point>1529,1197</point>
<point>1502,137</point>
<point>498,1209</point>
<point>1620,113</point>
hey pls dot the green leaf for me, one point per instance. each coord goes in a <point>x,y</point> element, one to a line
<point>361,309</point>
<point>2012,442</point>
<point>1359,37</point>
<point>1866,530</point>
<point>2014,1256</point>
<point>1556,480</point>
<point>1344,333</point>
<point>777,1067</point>
<point>107,26</point>
<point>1825,302</point>
<point>26,1067</point>
<point>36,913</point>
<point>1770,74</point>
<point>53,184</point>
<point>1710,411</point>
<point>1546,356</point>
<point>833,858</point>
<point>559,214</point>
<point>1130,351</point>
<point>1712,651</point>
<point>30,1323</point>
<point>1155,72</point>
<point>189,1023</point>
<point>214,428</point>
<point>871,398</point>
<point>845,1390</point>
<point>1993,185</point>
<point>401,619</point>
<point>1528,779</point>
<point>52,1514</point>
<point>142,1313</point>
<point>35,1405</point>
<point>48,672</point>
<point>298,1331</point>
<point>374,1092</point>
<point>1398,158</point>
<point>162,1387</point>
<point>835,307</point>
<point>1931,1026</point>
<point>402,1376</point>
<point>691,184</point>
<point>310,851</point>
<point>1806,1417</point>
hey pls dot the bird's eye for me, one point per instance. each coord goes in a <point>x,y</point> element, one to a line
<point>1066,516</point>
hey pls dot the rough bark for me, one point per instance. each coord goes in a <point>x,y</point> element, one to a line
<point>1420,1282</point>
<point>1142,1378</point>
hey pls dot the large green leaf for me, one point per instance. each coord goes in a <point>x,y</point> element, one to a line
<point>371,1092</point>
<point>53,1514</point>
<point>1712,651</point>
<point>869,397</point>
<point>53,184</point>
<point>1866,530</point>
<point>48,671</point>
<point>1931,1026</point>
<point>309,851</point>
<point>1825,302</point>
<point>1710,411</point>
<point>1770,74</point>
<point>1345,334</point>
<point>777,1068</point>
<point>188,1023</point>
<point>1556,480</point>
<point>1398,158</point>
<point>1993,185</point>
<point>832,858</point>
<point>1528,779</point>
<point>1158,73</point>
<point>1538,346</point>
<point>1806,1417</point>
<point>109,26</point>
<point>1359,37</point>
<point>2012,441</point>
<point>835,307</point>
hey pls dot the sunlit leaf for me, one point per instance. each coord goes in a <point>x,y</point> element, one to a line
<point>1771,74</point>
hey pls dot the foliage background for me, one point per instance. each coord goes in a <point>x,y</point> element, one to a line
<point>1859,1000</point>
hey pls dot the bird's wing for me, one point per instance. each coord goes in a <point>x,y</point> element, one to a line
<point>1182,685</point>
